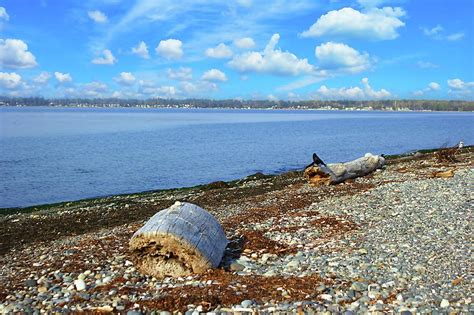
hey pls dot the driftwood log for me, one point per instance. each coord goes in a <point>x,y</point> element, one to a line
<point>318,173</point>
<point>178,241</point>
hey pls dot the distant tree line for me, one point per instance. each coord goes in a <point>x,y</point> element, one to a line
<point>435,105</point>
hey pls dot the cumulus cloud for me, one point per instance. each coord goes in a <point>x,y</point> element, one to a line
<point>438,33</point>
<point>125,78</point>
<point>165,91</point>
<point>198,88</point>
<point>170,48</point>
<point>214,75</point>
<point>374,23</point>
<point>365,91</point>
<point>3,14</point>
<point>10,80</point>
<point>94,89</point>
<point>181,74</point>
<point>462,89</point>
<point>244,43</point>
<point>42,78</point>
<point>14,54</point>
<point>340,57</point>
<point>141,50</point>
<point>271,61</point>
<point>97,16</point>
<point>62,77</point>
<point>107,58</point>
<point>432,86</point>
<point>458,84</point>
<point>221,51</point>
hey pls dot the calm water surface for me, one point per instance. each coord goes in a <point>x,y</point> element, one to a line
<point>59,154</point>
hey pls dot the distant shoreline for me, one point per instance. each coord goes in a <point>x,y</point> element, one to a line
<point>384,105</point>
<point>241,108</point>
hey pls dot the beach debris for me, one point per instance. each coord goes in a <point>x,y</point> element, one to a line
<point>448,154</point>
<point>180,240</point>
<point>444,174</point>
<point>318,173</point>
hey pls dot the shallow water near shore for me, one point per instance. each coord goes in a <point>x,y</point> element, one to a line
<point>58,154</point>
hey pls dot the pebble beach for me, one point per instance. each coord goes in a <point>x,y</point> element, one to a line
<point>396,241</point>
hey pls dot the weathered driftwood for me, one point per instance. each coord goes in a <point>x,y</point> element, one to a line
<point>319,173</point>
<point>178,241</point>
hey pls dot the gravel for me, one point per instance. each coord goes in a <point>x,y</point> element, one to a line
<point>396,241</point>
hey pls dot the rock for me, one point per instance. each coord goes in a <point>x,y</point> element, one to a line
<point>246,303</point>
<point>236,266</point>
<point>293,264</point>
<point>42,289</point>
<point>359,286</point>
<point>326,297</point>
<point>80,285</point>
<point>420,269</point>
<point>444,303</point>
<point>269,273</point>
<point>30,283</point>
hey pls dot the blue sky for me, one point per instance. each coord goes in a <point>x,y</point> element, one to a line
<point>249,49</point>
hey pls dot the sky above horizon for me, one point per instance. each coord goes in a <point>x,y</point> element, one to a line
<point>239,49</point>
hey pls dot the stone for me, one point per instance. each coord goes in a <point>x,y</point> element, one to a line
<point>359,286</point>
<point>42,289</point>
<point>80,285</point>
<point>444,303</point>
<point>30,283</point>
<point>236,266</point>
<point>293,264</point>
<point>246,303</point>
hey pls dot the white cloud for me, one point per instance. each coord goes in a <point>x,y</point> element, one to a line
<point>220,51</point>
<point>426,65</point>
<point>125,78</point>
<point>170,49</point>
<point>63,77</point>
<point>10,80</point>
<point>42,78</point>
<point>341,58</point>
<point>435,31</point>
<point>214,75</point>
<point>162,91</point>
<point>198,88</point>
<point>434,86</point>
<point>455,36</point>
<point>352,93</point>
<point>438,33</point>
<point>377,24</point>
<point>181,74</point>
<point>244,43</point>
<point>461,89</point>
<point>141,50</point>
<point>97,16</point>
<point>14,54</point>
<point>271,60</point>
<point>458,84</point>
<point>107,59</point>
<point>94,89</point>
<point>3,14</point>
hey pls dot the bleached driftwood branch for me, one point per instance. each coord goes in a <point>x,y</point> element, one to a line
<point>178,241</point>
<point>318,173</point>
